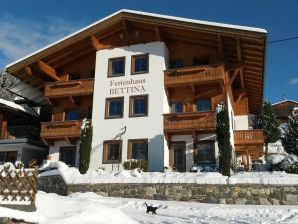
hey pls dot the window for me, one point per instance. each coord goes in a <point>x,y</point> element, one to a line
<point>200,61</point>
<point>8,157</point>
<point>205,152</point>
<point>139,64</point>
<point>116,67</point>
<point>177,107</point>
<point>138,106</point>
<point>138,149</point>
<point>178,63</point>
<point>114,107</point>
<point>112,151</point>
<point>71,115</point>
<point>68,155</point>
<point>203,105</point>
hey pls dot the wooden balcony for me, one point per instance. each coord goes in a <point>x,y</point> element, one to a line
<point>249,137</point>
<point>69,88</point>
<point>190,121</point>
<point>60,130</point>
<point>195,74</point>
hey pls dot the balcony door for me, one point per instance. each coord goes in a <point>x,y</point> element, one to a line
<point>177,156</point>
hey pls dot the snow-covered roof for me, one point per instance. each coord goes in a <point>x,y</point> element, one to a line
<point>284,101</point>
<point>18,107</point>
<point>201,22</point>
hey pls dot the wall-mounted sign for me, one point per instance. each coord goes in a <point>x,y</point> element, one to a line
<point>127,86</point>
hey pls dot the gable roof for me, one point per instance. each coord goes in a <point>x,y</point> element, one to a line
<point>249,41</point>
<point>88,31</point>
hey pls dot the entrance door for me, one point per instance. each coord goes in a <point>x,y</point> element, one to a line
<point>177,156</point>
<point>68,155</point>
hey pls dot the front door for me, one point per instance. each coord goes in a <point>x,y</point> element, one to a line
<point>177,156</point>
<point>68,155</point>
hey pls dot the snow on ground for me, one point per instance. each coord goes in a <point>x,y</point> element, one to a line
<point>73,176</point>
<point>272,178</point>
<point>90,208</point>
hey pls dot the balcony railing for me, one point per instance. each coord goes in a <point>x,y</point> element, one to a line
<point>60,129</point>
<point>190,121</point>
<point>193,74</point>
<point>69,88</point>
<point>249,137</point>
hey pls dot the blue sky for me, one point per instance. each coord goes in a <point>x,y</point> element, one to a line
<point>26,26</point>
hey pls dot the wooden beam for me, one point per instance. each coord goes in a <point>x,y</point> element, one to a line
<point>193,88</point>
<point>96,43</point>
<point>240,97</point>
<point>28,70</point>
<point>235,73</point>
<point>210,92</point>
<point>126,29</point>
<point>47,69</point>
<point>159,34</point>
<point>220,47</point>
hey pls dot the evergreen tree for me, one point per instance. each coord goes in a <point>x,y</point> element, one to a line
<point>267,121</point>
<point>223,139</point>
<point>85,146</point>
<point>6,82</point>
<point>290,138</point>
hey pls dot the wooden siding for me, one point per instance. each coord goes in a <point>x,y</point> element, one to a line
<point>192,121</point>
<point>249,137</point>
<point>60,129</point>
<point>195,74</point>
<point>69,88</point>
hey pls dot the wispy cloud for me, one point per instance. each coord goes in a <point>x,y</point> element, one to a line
<point>293,81</point>
<point>19,37</point>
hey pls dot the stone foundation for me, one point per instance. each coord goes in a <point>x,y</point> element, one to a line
<point>221,194</point>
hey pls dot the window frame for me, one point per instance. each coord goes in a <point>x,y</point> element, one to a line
<point>129,146</point>
<point>211,142</point>
<point>110,67</point>
<point>107,107</point>
<point>131,106</point>
<point>105,152</point>
<point>133,63</point>
<point>204,99</point>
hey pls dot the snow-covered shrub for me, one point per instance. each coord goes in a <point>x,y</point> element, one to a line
<point>259,165</point>
<point>235,166</point>
<point>19,165</point>
<point>290,137</point>
<point>132,164</point>
<point>286,162</point>
<point>8,166</point>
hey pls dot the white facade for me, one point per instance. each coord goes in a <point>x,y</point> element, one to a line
<point>148,127</point>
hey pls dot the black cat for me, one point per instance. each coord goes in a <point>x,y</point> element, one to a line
<point>151,209</point>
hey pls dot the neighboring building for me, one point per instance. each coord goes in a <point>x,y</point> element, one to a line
<point>19,137</point>
<point>284,109</point>
<point>151,84</point>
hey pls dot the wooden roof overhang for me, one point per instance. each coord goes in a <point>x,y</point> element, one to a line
<point>234,43</point>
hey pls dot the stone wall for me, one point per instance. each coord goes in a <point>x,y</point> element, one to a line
<point>222,194</point>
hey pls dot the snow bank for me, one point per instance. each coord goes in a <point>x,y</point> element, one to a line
<point>72,176</point>
<point>272,178</point>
